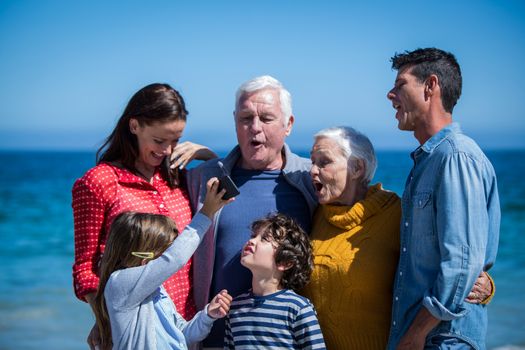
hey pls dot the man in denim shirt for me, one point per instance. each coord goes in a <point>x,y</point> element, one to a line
<point>451,214</point>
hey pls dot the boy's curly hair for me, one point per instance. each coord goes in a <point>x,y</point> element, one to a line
<point>293,248</point>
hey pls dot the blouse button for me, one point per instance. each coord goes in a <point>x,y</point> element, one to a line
<point>161,205</point>
<point>155,192</point>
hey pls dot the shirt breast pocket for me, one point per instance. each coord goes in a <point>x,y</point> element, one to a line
<point>423,233</point>
<point>423,215</point>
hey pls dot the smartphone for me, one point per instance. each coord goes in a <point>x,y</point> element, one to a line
<point>226,182</point>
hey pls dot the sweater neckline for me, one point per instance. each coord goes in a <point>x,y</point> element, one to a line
<point>348,217</point>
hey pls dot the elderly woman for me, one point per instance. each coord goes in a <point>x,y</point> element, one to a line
<point>355,237</point>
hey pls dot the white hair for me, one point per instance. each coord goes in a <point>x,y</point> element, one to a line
<point>354,145</point>
<point>267,82</point>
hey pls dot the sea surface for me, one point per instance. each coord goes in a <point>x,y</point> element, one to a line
<point>38,309</point>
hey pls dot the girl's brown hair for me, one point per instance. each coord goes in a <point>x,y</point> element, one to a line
<point>151,104</point>
<point>130,232</point>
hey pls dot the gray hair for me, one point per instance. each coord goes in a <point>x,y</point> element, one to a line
<point>267,82</point>
<point>354,145</point>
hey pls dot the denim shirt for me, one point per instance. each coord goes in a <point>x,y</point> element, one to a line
<point>449,234</point>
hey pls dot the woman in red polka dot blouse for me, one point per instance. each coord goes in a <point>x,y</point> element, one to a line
<point>132,175</point>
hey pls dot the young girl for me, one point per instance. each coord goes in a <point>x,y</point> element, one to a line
<point>132,308</point>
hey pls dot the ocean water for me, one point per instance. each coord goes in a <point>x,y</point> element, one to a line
<point>38,309</point>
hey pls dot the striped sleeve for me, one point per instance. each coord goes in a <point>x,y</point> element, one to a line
<point>306,329</point>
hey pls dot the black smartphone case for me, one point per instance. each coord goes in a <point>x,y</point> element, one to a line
<point>227,183</point>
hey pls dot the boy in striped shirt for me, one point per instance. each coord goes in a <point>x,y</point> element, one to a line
<point>271,315</point>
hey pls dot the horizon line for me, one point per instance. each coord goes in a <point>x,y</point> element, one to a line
<point>225,150</point>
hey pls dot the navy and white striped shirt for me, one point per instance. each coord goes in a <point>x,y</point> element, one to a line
<point>282,320</point>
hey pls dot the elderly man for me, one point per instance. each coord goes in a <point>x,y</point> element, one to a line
<point>450,212</point>
<point>270,178</point>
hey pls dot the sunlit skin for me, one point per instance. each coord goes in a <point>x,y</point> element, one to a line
<point>334,183</point>
<point>220,305</point>
<point>408,99</point>
<point>261,130</point>
<point>418,105</point>
<point>155,142</point>
<point>258,255</point>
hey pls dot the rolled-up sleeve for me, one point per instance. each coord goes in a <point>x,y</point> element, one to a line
<point>462,229</point>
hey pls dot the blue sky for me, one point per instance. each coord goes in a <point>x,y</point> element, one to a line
<point>69,67</point>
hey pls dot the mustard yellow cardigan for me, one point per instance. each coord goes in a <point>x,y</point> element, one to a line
<point>356,250</point>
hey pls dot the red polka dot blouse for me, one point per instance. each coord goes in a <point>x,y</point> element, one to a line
<point>98,197</point>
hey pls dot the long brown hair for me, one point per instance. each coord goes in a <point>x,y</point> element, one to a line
<point>153,103</point>
<point>129,232</point>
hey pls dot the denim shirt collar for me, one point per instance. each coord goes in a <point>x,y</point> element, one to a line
<point>430,145</point>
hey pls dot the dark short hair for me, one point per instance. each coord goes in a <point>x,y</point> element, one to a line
<point>293,248</point>
<point>428,61</point>
<point>153,103</point>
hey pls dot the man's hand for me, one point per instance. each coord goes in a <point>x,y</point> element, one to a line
<point>414,338</point>
<point>220,305</point>
<point>409,342</point>
<point>481,290</point>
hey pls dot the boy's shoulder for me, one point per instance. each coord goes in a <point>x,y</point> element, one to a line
<point>241,297</point>
<point>284,296</point>
<point>296,299</point>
